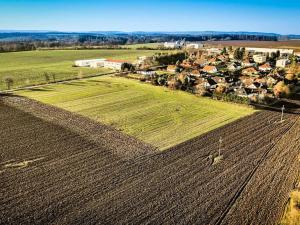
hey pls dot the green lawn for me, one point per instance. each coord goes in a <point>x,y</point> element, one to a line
<point>153,114</point>
<point>27,68</point>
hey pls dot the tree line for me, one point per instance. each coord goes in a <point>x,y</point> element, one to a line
<point>27,42</point>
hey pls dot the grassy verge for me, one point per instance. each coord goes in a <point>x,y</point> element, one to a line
<point>292,211</point>
<point>153,114</point>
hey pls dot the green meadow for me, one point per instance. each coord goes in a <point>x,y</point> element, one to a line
<point>146,45</point>
<point>153,114</point>
<point>29,68</point>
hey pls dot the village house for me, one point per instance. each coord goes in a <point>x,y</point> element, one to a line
<point>241,91</point>
<point>186,65</point>
<point>253,87</point>
<point>207,83</point>
<point>214,61</point>
<point>265,67</point>
<point>231,55</point>
<point>262,81</point>
<point>209,69</point>
<point>271,81</point>
<point>260,58</point>
<point>213,51</point>
<point>233,67</point>
<point>195,73</point>
<point>247,63</point>
<point>250,71</point>
<point>222,58</point>
<point>171,68</point>
<point>201,62</point>
<point>246,80</point>
<point>281,63</point>
<point>219,80</point>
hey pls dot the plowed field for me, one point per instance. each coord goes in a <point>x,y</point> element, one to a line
<point>60,168</point>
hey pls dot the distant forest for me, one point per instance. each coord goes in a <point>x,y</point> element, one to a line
<point>27,41</point>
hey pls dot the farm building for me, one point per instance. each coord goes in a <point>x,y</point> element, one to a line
<point>97,63</point>
<point>175,44</point>
<point>194,45</point>
<point>271,50</point>
<point>113,64</point>
<point>87,62</point>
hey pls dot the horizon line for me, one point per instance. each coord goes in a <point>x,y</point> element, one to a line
<point>138,31</point>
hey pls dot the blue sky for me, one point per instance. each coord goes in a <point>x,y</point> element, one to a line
<point>281,16</point>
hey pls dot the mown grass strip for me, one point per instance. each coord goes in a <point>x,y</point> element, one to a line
<point>155,115</point>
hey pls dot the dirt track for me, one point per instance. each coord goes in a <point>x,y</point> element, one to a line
<point>78,178</point>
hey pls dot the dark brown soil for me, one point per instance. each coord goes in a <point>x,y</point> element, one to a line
<point>79,172</point>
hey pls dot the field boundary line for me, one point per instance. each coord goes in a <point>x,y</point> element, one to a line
<point>57,82</point>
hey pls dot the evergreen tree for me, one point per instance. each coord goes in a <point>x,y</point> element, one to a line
<point>236,54</point>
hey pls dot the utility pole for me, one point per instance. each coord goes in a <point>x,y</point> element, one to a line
<point>282,110</point>
<point>219,158</point>
<point>220,145</point>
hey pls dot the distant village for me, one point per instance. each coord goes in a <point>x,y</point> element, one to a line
<point>234,74</point>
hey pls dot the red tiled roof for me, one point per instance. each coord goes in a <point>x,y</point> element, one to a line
<point>250,70</point>
<point>266,65</point>
<point>209,68</point>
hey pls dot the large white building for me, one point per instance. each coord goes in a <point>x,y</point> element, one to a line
<point>281,63</point>
<point>176,44</point>
<point>96,63</point>
<point>141,59</point>
<point>259,58</point>
<point>212,51</point>
<point>87,62</point>
<point>113,64</point>
<point>271,50</point>
<point>194,45</point>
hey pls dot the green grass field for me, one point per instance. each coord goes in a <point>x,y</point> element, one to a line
<point>147,45</point>
<point>153,114</point>
<point>28,68</point>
